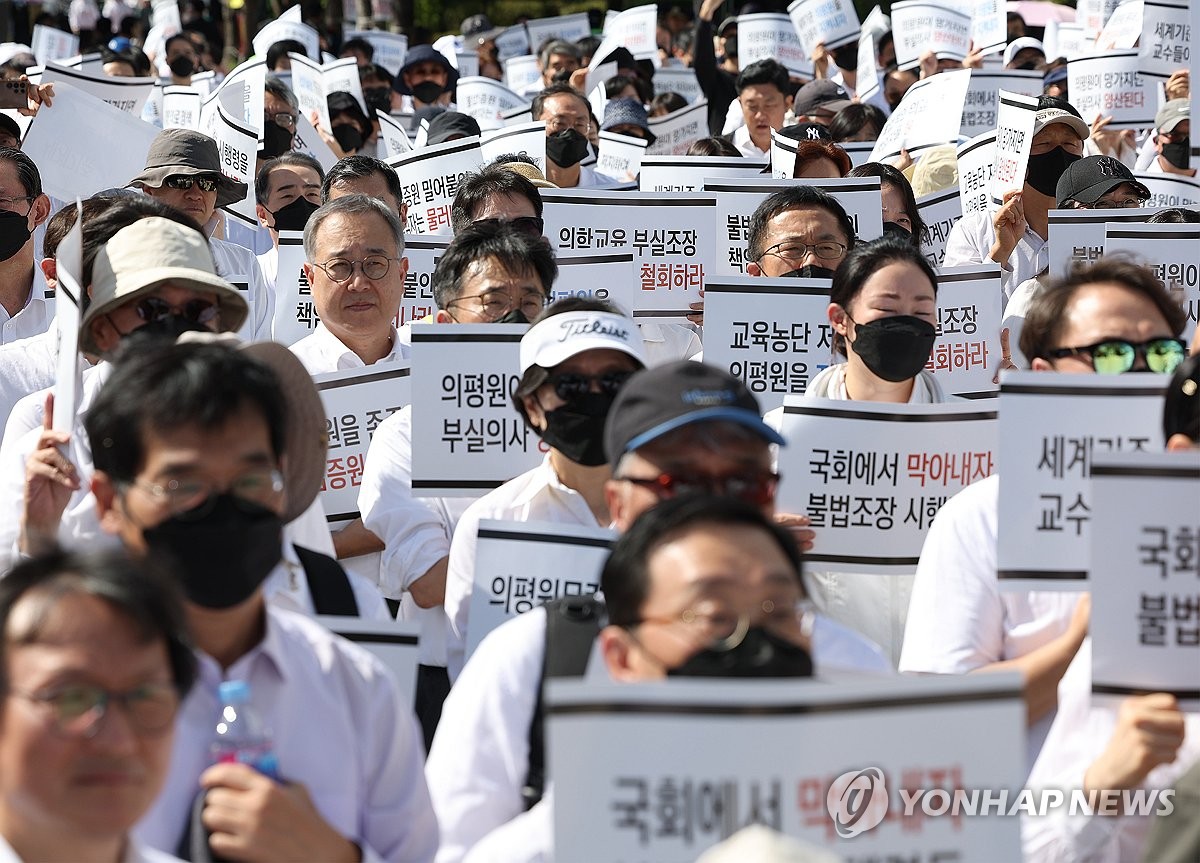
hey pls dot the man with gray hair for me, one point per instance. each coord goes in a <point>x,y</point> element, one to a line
<point>557,59</point>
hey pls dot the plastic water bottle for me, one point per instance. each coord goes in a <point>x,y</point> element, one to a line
<point>241,737</point>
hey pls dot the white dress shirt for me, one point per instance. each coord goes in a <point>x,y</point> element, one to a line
<point>747,147</point>
<point>339,726</point>
<point>665,342</point>
<point>322,352</point>
<point>287,587</point>
<point>239,265</point>
<point>135,852</point>
<point>26,366</point>
<point>33,318</point>
<point>970,242</point>
<point>480,755</point>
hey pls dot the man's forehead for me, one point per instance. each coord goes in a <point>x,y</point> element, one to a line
<point>566,103</point>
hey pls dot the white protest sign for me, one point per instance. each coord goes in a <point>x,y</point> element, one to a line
<point>866,74</point>
<point>513,42</point>
<point>288,26</point>
<point>1123,28</point>
<point>1112,85</point>
<point>1077,236</point>
<point>939,211</point>
<point>128,94</point>
<point>981,103</point>
<point>341,76</point>
<point>919,26</point>
<point>1145,565</point>
<point>205,82</point>
<point>671,235</point>
<point>662,771</point>
<point>771,36</point>
<point>429,179</point>
<point>928,116</point>
<point>858,151</point>
<point>966,354</point>
<point>737,200</point>
<point>635,29</point>
<point>467,64</point>
<point>872,476</point>
<point>571,28</point>
<point>1165,37</point>
<point>395,138</point>
<point>834,22</point>
<point>237,146</point>
<point>390,48</point>
<point>1014,137</point>
<point>682,82</point>
<point>620,156</point>
<point>1051,424</point>
<point>989,26</point>
<point>486,100</point>
<point>71,164</point>
<point>165,13</point>
<point>247,80</point>
<point>521,72</point>
<point>676,132</point>
<point>976,163</point>
<point>181,108</point>
<point>521,564</point>
<point>1065,40</point>
<point>393,642</point>
<point>687,173</point>
<point>295,314</point>
<point>308,141</point>
<point>68,307</point>
<point>50,44</point>
<point>1170,190</point>
<point>1092,14</point>
<point>773,335</point>
<point>355,401</point>
<point>466,436</point>
<point>783,155</point>
<point>423,252</point>
<point>525,139</point>
<point>607,276</point>
<point>1170,251</point>
<point>308,83</point>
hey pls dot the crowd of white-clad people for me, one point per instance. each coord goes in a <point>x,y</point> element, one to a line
<point>185,514</point>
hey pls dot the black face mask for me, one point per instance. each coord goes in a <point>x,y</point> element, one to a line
<point>222,557</point>
<point>379,100</point>
<point>760,654</point>
<point>577,428</point>
<point>566,148</point>
<point>516,316</point>
<point>349,138</point>
<point>562,76</point>
<point>14,233</point>
<point>895,348</point>
<point>809,271</point>
<point>294,216</point>
<point>427,92</point>
<point>1178,153</point>
<point>182,66</point>
<point>1046,169</point>
<point>276,140</point>
<point>898,231</point>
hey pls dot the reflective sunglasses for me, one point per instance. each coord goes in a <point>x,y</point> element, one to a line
<point>1117,356</point>
<point>757,489</point>
<point>151,309</point>
<point>569,385</point>
<point>532,225</point>
<point>182,183</point>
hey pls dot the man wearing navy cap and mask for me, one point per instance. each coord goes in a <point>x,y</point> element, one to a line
<point>425,79</point>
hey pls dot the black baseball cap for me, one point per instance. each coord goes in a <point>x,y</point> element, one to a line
<point>1087,180</point>
<point>664,398</point>
<point>450,125</point>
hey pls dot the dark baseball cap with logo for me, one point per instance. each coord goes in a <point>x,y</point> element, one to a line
<point>664,398</point>
<point>1089,179</point>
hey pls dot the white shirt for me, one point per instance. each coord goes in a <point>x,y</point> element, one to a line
<point>747,147</point>
<point>480,755</point>
<point>339,726</point>
<point>239,265</point>
<point>287,587</point>
<point>26,366</point>
<point>268,262</point>
<point>536,495</point>
<point>33,318</point>
<point>1080,734</point>
<point>321,352</point>
<point>1014,318</point>
<point>135,852</point>
<point>958,618</point>
<point>665,342</point>
<point>970,242</point>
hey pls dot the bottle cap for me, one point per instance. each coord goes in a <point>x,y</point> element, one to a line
<point>234,691</point>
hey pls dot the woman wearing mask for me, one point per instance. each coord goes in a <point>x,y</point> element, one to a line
<point>900,215</point>
<point>352,130</point>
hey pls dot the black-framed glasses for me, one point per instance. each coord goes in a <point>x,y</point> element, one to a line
<point>757,489</point>
<point>373,267</point>
<point>10,204</point>
<point>283,119</point>
<point>570,385</point>
<point>532,225</point>
<point>1117,356</point>
<point>794,250</point>
<point>194,498</point>
<point>494,305</point>
<point>151,309</point>
<point>183,182</point>
<point>1109,204</point>
<point>77,708</point>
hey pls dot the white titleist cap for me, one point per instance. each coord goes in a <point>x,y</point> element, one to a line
<point>561,337</point>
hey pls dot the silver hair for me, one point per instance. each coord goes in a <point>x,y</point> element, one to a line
<point>351,205</point>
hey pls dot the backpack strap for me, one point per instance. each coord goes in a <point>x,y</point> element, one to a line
<point>328,583</point>
<point>572,624</point>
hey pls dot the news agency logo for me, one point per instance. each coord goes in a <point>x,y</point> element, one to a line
<point>857,801</point>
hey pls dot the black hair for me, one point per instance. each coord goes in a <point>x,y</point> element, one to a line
<point>713,146</point>
<point>374,70</point>
<point>360,45</point>
<point>851,120</point>
<point>863,261</point>
<point>107,55</point>
<point>764,72</point>
<point>140,590</point>
<point>262,180</point>
<point>625,578</point>
<point>159,386</point>
<point>539,101</point>
<point>1175,215</point>
<point>793,198</point>
<point>359,167</point>
<point>27,173</point>
<point>514,250</point>
<point>889,174</point>
<point>666,103</point>
<point>475,189</point>
<point>1181,406</point>
<point>616,84</point>
<point>279,51</point>
<point>176,38</point>
<point>587,47</point>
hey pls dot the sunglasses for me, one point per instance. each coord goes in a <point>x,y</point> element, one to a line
<point>151,309</point>
<point>182,183</point>
<point>532,225</point>
<point>1117,356</point>
<point>756,489</point>
<point>569,385</point>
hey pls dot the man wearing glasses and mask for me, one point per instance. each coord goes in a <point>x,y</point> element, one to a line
<point>801,232</point>
<point>23,207</point>
<point>568,122</point>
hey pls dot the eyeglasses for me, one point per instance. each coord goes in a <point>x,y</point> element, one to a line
<point>1117,356</point>
<point>494,305</point>
<point>1110,204</point>
<point>756,489</point>
<point>282,119</point>
<point>10,204</point>
<point>192,498</point>
<point>373,267</point>
<point>792,250</point>
<point>182,183</point>
<point>722,628</point>
<point>569,385</point>
<point>532,225</point>
<point>554,125</point>
<point>151,309</point>
<point>77,709</point>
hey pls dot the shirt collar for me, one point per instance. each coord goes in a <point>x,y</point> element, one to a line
<point>337,347</point>
<point>270,650</point>
<point>545,478</point>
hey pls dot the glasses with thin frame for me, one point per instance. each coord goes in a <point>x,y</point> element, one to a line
<point>10,204</point>
<point>341,270</point>
<point>794,250</point>
<point>494,305</point>
<point>194,498</point>
<point>283,119</point>
<point>76,709</point>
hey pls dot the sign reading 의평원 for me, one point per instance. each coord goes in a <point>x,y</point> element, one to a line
<point>920,25</point>
<point>1170,190</point>
<point>1051,425</point>
<point>833,22</point>
<point>1145,576</point>
<point>1114,84</point>
<point>1170,251</point>
<point>429,179</point>
<point>771,36</point>
<point>871,477</point>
